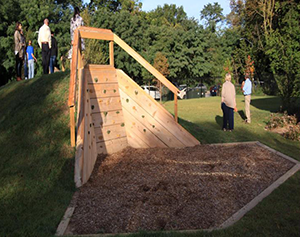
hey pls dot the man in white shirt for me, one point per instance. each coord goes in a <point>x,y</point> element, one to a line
<point>44,41</point>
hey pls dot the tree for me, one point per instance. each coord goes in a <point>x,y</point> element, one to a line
<point>213,15</point>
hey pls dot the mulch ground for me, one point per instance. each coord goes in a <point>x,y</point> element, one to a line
<point>173,189</point>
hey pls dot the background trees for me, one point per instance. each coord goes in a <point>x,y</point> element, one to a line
<point>266,31</point>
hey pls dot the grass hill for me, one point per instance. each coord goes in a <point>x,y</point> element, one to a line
<point>37,163</point>
<point>36,166</point>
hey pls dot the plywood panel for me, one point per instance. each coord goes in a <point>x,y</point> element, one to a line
<point>110,132</point>
<point>106,104</point>
<point>108,118</point>
<point>149,122</point>
<point>141,131</point>
<point>103,90</point>
<point>154,109</point>
<point>112,146</point>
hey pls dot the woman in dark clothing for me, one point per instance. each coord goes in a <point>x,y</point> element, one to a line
<point>19,50</point>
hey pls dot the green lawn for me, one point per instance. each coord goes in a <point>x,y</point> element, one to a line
<point>36,162</point>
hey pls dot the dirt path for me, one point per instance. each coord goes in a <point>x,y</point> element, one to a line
<point>173,189</point>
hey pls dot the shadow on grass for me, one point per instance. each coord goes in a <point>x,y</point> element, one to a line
<point>36,165</point>
<point>242,114</point>
<point>268,104</point>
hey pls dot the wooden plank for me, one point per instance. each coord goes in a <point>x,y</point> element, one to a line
<point>112,146</point>
<point>149,122</point>
<point>72,125</point>
<point>107,118</point>
<point>134,141</point>
<point>106,104</point>
<point>111,54</point>
<point>96,34</point>
<point>71,101</point>
<point>158,112</point>
<point>175,108</point>
<point>98,67</point>
<point>103,90</point>
<point>141,131</point>
<point>145,64</point>
<point>101,76</point>
<point>110,132</point>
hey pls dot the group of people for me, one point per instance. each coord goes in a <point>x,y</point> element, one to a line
<point>228,103</point>
<point>24,55</point>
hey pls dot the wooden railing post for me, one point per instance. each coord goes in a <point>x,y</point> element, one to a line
<point>175,108</point>
<point>72,125</point>
<point>111,54</point>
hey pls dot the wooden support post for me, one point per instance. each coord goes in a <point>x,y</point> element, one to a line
<point>72,125</point>
<point>111,54</point>
<point>175,108</point>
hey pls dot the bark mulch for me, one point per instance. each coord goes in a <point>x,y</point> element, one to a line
<point>173,189</point>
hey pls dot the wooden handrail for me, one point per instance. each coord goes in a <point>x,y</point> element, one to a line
<point>145,64</point>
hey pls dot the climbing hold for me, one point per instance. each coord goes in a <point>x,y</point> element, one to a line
<point>123,124</point>
<point>100,138</point>
<point>104,91</point>
<point>127,100</point>
<point>117,112</point>
<point>153,126</point>
<point>133,108</point>
<point>115,91</point>
<point>108,131</point>
<point>143,116</point>
<point>89,132</point>
<point>144,130</point>
<point>105,114</point>
<point>136,92</point>
<point>91,91</point>
<point>96,79</point>
<point>100,101</point>
<point>106,79</point>
<point>90,125</point>
<point>92,107</point>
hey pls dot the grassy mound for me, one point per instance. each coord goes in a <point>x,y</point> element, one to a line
<point>36,166</point>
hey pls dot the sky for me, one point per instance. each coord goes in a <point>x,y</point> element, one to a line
<point>191,7</point>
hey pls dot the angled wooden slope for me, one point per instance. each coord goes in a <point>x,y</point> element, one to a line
<point>148,124</point>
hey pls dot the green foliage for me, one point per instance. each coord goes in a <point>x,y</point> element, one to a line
<point>283,49</point>
<point>31,14</point>
<point>212,13</point>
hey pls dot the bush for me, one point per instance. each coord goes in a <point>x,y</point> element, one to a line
<point>289,122</point>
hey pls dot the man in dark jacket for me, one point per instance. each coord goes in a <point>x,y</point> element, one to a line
<point>53,53</point>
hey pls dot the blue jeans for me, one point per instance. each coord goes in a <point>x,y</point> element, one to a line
<point>30,68</point>
<point>52,63</point>
<point>227,116</point>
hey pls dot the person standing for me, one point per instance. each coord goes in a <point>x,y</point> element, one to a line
<point>247,90</point>
<point>53,53</point>
<point>31,58</point>
<point>19,50</point>
<point>44,41</point>
<point>228,104</point>
<point>25,56</point>
<point>76,21</point>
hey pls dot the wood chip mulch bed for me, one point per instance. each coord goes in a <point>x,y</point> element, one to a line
<point>173,189</point>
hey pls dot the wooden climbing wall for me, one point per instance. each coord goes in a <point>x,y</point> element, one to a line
<point>106,108</point>
<point>148,123</point>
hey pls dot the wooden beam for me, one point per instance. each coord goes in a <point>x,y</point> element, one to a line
<point>94,34</point>
<point>71,101</point>
<point>72,125</point>
<point>111,54</point>
<point>145,64</point>
<point>176,108</point>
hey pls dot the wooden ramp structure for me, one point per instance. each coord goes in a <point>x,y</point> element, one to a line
<point>113,111</point>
